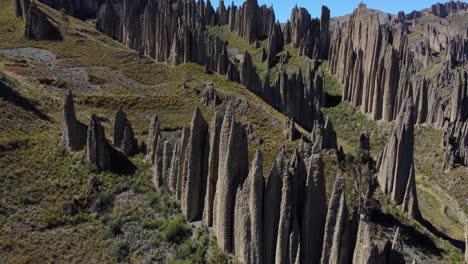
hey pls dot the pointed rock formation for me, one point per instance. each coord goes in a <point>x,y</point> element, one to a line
<point>271,206</point>
<point>466,239</point>
<point>396,165</point>
<point>290,130</point>
<point>213,167</point>
<point>249,77</point>
<point>248,246</point>
<point>74,133</point>
<point>120,124</point>
<point>288,222</point>
<point>129,145</point>
<point>22,7</point>
<point>396,255</point>
<point>315,207</point>
<point>153,137</point>
<point>195,168</point>
<point>98,149</point>
<point>158,179</point>
<point>233,168</point>
<point>336,237</point>
<point>323,136</point>
<point>39,26</point>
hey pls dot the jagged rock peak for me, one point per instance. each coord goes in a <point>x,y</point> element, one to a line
<point>74,134</point>
<point>153,137</point>
<point>98,150</point>
<point>314,212</point>
<point>290,130</point>
<point>336,236</point>
<point>195,168</point>
<point>213,166</point>
<point>120,123</point>
<point>39,25</point>
<point>271,206</point>
<point>449,8</point>
<point>396,165</point>
<point>233,168</point>
<point>248,215</point>
<point>129,144</point>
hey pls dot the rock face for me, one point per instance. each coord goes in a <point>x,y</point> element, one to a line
<point>129,144</point>
<point>82,9</point>
<point>233,168</point>
<point>310,36</point>
<point>39,26</point>
<point>275,44</point>
<point>213,166</point>
<point>195,168</point>
<point>396,165</point>
<point>466,239</point>
<point>449,8</point>
<point>98,149</point>
<point>74,134</point>
<point>314,215</point>
<point>248,76</point>
<point>336,236</point>
<point>271,206</point>
<point>153,138</point>
<point>120,123</point>
<point>210,97</point>
<point>323,136</point>
<point>165,30</point>
<point>290,130</point>
<point>248,215</point>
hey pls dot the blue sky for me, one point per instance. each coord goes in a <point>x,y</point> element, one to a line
<point>338,7</point>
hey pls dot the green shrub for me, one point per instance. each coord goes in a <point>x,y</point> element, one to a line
<point>120,250</point>
<point>176,230</point>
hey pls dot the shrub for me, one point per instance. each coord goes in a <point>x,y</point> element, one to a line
<point>120,250</point>
<point>176,230</point>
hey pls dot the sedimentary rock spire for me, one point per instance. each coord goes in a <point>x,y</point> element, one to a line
<point>248,215</point>
<point>39,26</point>
<point>271,206</point>
<point>249,77</point>
<point>153,137</point>
<point>120,123</point>
<point>315,207</point>
<point>98,150</point>
<point>129,144</point>
<point>396,165</point>
<point>74,133</point>
<point>290,130</point>
<point>213,166</point>
<point>195,168</point>
<point>233,168</point>
<point>336,237</point>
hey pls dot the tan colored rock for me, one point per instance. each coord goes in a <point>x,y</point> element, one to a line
<point>233,168</point>
<point>314,213</point>
<point>336,237</point>
<point>271,206</point>
<point>153,136</point>
<point>195,168</point>
<point>213,166</point>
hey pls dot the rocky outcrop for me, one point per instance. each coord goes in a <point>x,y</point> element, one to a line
<point>323,136</point>
<point>310,36</point>
<point>275,44</point>
<point>395,164</point>
<point>74,134</point>
<point>449,8</point>
<point>210,97</point>
<point>251,21</point>
<point>314,214</point>
<point>336,234</point>
<point>249,77</point>
<point>213,166</point>
<point>233,168</point>
<point>298,96</point>
<point>22,7</point>
<point>39,25</point>
<point>120,124</point>
<point>129,144</point>
<point>98,149</point>
<point>195,169</point>
<point>466,239</point>
<point>165,30</point>
<point>153,138</point>
<point>271,206</point>
<point>290,130</point>
<point>248,215</point>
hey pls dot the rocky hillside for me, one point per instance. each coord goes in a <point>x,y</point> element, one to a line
<point>167,131</point>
